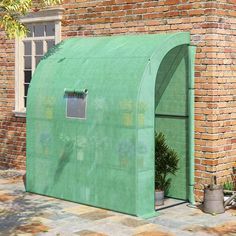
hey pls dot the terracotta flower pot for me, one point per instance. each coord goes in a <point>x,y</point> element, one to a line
<point>159,197</point>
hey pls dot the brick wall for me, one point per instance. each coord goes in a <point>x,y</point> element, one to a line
<point>12,129</point>
<point>212,25</point>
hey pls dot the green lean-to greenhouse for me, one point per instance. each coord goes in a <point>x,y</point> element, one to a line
<point>93,107</point>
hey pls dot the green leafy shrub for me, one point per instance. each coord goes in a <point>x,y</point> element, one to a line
<point>166,162</point>
<point>12,10</point>
<point>228,186</point>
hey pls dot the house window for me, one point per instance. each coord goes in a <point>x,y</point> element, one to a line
<point>44,32</point>
<point>40,39</point>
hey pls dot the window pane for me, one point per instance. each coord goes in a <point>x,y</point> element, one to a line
<point>50,29</point>
<point>25,100</point>
<point>39,47</point>
<point>28,62</point>
<point>50,43</point>
<point>26,89</point>
<point>28,76</point>
<point>37,59</point>
<point>30,31</point>
<point>76,106</point>
<point>28,48</point>
<point>38,30</point>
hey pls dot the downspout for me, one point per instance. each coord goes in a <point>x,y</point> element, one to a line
<point>191,54</point>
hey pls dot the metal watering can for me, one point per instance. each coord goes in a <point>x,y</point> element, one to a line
<point>214,198</point>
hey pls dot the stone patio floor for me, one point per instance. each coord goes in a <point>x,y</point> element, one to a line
<point>24,213</point>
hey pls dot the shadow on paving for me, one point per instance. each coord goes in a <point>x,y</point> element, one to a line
<point>16,212</point>
<point>24,213</point>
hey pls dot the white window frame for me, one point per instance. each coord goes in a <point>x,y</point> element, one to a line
<point>46,15</point>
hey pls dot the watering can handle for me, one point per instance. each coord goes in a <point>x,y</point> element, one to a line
<point>213,182</point>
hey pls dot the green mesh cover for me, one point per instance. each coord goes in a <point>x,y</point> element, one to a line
<point>104,156</point>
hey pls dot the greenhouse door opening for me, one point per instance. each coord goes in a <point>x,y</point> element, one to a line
<point>171,114</point>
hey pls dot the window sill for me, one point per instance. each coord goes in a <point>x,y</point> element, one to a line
<point>20,113</point>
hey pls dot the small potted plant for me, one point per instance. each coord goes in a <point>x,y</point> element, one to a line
<point>229,186</point>
<point>166,163</point>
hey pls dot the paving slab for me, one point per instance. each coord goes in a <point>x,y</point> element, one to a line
<point>23,213</point>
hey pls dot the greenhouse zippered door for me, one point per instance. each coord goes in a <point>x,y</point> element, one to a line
<point>172,114</point>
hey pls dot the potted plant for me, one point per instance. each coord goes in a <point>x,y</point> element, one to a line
<point>229,187</point>
<point>166,163</point>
